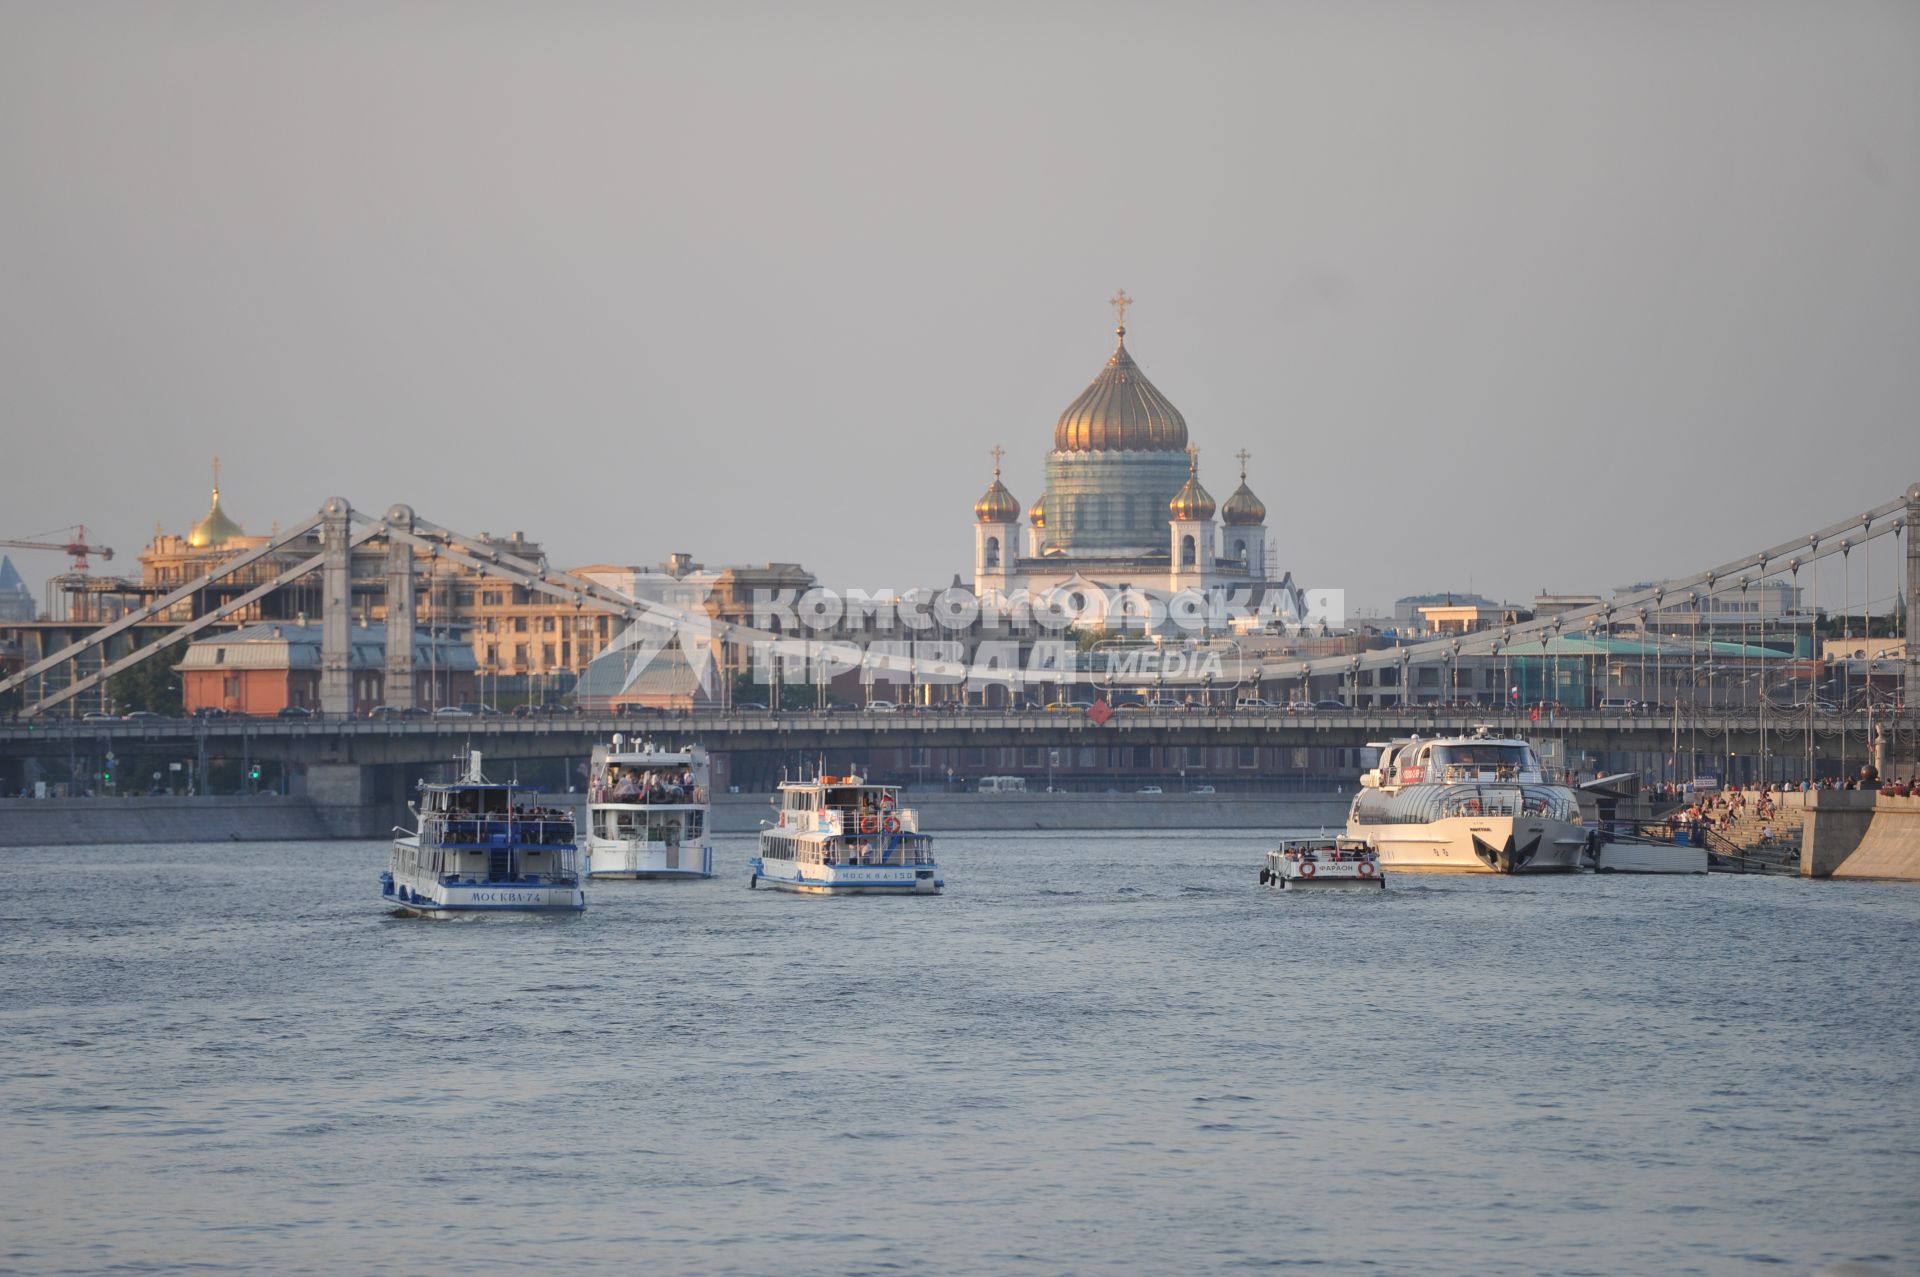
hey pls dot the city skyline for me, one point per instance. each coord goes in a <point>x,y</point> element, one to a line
<point>1644,279</point>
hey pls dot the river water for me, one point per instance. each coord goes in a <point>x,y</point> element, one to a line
<point>1093,1055</point>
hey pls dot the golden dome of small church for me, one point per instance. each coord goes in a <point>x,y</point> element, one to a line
<point>1124,506</point>
<point>216,529</point>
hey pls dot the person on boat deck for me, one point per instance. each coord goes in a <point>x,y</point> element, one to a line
<point>626,790</point>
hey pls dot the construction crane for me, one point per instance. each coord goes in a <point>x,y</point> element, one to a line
<point>75,545</point>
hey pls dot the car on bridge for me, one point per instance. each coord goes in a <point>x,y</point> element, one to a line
<point>546,709</point>
<point>389,713</point>
<point>99,716</point>
<point>144,716</point>
<point>295,711</point>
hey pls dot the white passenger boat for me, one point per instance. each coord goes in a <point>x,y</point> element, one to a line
<point>484,848</point>
<point>1468,804</point>
<point>648,812</point>
<point>1322,862</point>
<point>839,835</point>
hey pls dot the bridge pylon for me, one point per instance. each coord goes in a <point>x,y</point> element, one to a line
<point>400,611</point>
<point>336,607</point>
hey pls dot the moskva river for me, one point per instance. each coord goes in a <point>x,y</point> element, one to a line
<point>1095,1054</point>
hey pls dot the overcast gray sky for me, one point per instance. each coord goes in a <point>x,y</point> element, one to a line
<point>1541,294</point>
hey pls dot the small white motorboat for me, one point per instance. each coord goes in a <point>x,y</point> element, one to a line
<point>1322,862</point>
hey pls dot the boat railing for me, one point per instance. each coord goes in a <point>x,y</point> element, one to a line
<point>1501,802</point>
<point>657,796</point>
<point>837,823</point>
<point>1321,853</point>
<point>1458,773</point>
<point>463,830</point>
<point>876,851</point>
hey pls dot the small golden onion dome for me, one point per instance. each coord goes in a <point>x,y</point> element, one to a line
<point>1243,509</point>
<point>216,528</point>
<point>1120,412</point>
<point>1192,502</point>
<point>1037,515</point>
<point>998,505</point>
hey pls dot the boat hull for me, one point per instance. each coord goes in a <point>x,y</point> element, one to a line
<point>444,900</point>
<point>847,880</point>
<point>1650,858</point>
<point>613,862</point>
<point>1478,844</point>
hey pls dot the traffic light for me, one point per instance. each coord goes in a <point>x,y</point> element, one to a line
<point>255,773</point>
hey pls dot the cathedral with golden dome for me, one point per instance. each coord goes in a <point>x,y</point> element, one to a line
<point>1124,507</point>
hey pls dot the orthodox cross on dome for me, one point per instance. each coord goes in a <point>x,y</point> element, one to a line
<point>1193,458</point>
<point>1120,301</point>
<point>998,452</point>
<point>1243,456</point>
<point>216,476</point>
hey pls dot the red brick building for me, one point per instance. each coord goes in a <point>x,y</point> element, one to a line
<point>265,668</point>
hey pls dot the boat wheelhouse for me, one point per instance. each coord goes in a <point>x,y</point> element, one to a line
<point>840,835</point>
<point>484,848</point>
<point>1468,804</point>
<point>649,812</point>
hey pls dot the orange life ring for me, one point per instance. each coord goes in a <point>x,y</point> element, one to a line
<point>1307,869</point>
<point>868,824</point>
<point>891,824</point>
<point>1366,869</point>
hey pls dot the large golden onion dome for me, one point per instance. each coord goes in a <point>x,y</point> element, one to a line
<point>1120,412</point>
<point>997,505</point>
<point>1243,509</point>
<point>1192,502</point>
<point>216,528</point>
<point>1037,515</point>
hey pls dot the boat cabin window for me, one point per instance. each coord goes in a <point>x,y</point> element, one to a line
<point>1485,755</point>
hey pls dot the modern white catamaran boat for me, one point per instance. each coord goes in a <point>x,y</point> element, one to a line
<point>840,835</point>
<point>649,813</point>
<point>1468,804</point>
<point>483,848</point>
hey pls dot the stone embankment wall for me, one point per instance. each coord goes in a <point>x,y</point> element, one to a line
<point>68,822</point>
<point>345,812</point>
<point>942,812</point>
<point>1859,834</point>
<point>1890,847</point>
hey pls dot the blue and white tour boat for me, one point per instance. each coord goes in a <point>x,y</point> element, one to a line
<point>484,848</point>
<point>840,836</point>
<point>648,812</point>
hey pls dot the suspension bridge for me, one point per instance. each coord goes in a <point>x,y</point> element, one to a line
<point>324,545</point>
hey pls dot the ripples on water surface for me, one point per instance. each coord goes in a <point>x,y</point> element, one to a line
<point>1092,1055</point>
